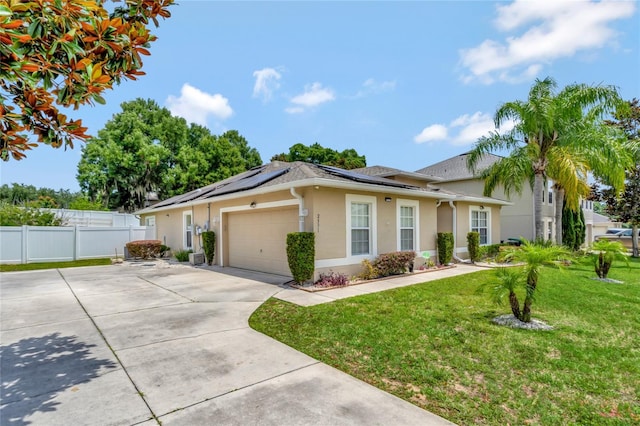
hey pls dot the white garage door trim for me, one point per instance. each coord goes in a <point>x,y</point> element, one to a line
<point>268,205</point>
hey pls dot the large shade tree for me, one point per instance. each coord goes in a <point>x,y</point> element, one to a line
<point>557,135</point>
<point>145,149</point>
<point>317,154</point>
<point>60,54</point>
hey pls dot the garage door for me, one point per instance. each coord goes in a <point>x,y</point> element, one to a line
<point>258,239</point>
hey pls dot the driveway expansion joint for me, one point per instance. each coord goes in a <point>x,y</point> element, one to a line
<point>166,289</point>
<point>177,339</point>
<point>153,415</point>
<point>240,388</point>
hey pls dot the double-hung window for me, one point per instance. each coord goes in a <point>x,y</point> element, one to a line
<point>480,224</point>
<point>361,225</point>
<point>407,219</point>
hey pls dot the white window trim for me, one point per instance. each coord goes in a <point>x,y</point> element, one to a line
<point>486,210</point>
<point>416,221</point>
<point>184,229</point>
<point>352,198</point>
<point>146,220</point>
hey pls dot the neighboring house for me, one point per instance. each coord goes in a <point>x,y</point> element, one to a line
<point>601,224</point>
<point>354,216</point>
<point>517,219</point>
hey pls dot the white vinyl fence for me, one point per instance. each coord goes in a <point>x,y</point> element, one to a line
<point>30,244</point>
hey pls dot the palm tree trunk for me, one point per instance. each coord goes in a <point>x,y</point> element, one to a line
<point>528,300</point>
<point>515,305</point>
<point>538,184</point>
<point>559,200</point>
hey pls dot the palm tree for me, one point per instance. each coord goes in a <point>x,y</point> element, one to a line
<point>535,256</point>
<point>556,135</point>
<point>604,253</point>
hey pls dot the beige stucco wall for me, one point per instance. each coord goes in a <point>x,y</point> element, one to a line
<point>516,219</point>
<point>327,218</point>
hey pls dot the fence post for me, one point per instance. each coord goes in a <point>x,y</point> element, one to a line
<point>25,237</point>
<point>76,242</point>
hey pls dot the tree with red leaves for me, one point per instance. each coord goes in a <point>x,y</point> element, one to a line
<point>65,53</point>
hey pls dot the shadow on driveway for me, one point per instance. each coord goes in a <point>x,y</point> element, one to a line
<point>36,369</point>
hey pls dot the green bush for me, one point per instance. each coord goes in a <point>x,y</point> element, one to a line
<point>489,252</point>
<point>473,245</point>
<point>394,263</point>
<point>301,254</point>
<point>182,255</point>
<point>144,249</point>
<point>369,272</point>
<point>12,215</point>
<point>209,245</point>
<point>445,247</point>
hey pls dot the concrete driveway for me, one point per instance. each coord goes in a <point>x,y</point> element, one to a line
<point>125,345</point>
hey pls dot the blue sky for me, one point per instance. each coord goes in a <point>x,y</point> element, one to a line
<point>407,84</point>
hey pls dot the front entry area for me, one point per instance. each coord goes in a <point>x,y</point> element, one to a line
<point>257,239</point>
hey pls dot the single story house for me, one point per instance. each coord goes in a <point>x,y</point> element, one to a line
<point>354,216</point>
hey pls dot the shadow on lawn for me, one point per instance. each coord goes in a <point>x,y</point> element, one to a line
<point>36,369</point>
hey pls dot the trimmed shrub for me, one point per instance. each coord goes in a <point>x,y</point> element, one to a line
<point>473,245</point>
<point>489,252</point>
<point>144,249</point>
<point>369,272</point>
<point>301,254</point>
<point>209,245</point>
<point>183,255</point>
<point>445,247</point>
<point>332,279</point>
<point>394,263</point>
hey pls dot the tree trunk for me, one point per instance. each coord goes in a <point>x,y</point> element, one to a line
<point>528,300</point>
<point>538,185</point>
<point>515,305</point>
<point>559,200</point>
<point>634,241</point>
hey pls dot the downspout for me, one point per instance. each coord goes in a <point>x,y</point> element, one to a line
<point>455,233</point>
<point>300,209</point>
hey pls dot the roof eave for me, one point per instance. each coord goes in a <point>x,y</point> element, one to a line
<point>357,186</point>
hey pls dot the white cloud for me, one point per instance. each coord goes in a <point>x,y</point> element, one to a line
<point>473,127</point>
<point>466,129</point>
<point>371,86</point>
<point>314,95</point>
<point>435,132</point>
<point>549,30</point>
<point>266,83</point>
<point>196,106</point>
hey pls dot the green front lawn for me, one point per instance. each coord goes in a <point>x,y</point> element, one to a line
<point>434,345</point>
<point>54,265</point>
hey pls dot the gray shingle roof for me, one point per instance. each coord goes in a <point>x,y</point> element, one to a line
<point>383,171</point>
<point>455,168</point>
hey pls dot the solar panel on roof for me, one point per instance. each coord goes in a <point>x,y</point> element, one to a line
<point>358,177</point>
<point>199,193</point>
<point>248,182</point>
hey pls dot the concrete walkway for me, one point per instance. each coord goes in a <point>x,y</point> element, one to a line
<point>305,298</point>
<point>128,345</point>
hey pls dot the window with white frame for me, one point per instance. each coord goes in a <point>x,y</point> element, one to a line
<point>550,230</point>
<point>150,221</point>
<point>361,225</point>
<point>480,220</point>
<point>407,220</point>
<point>187,223</point>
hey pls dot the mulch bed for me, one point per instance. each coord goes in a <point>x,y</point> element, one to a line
<point>314,288</point>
